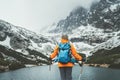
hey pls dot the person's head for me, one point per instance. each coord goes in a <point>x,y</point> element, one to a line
<point>65,36</point>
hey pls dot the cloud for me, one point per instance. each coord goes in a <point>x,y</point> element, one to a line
<point>36,14</point>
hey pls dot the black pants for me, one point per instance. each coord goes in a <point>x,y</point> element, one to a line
<point>66,73</point>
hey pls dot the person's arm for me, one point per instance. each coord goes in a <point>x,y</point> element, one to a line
<point>74,53</point>
<point>55,52</point>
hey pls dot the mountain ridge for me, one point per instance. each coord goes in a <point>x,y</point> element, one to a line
<point>20,46</point>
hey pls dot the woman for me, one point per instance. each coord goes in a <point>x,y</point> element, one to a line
<point>65,68</point>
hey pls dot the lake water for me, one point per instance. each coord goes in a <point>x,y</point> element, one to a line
<point>45,73</point>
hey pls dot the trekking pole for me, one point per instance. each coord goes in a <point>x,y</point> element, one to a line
<point>50,62</point>
<point>81,65</point>
<point>50,67</point>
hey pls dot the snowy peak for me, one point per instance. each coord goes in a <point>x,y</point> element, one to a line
<point>103,14</point>
<point>76,18</point>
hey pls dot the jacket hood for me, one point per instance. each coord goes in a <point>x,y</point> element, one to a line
<point>64,40</point>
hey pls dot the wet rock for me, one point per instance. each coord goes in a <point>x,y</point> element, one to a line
<point>18,42</point>
<point>4,68</point>
<point>3,36</point>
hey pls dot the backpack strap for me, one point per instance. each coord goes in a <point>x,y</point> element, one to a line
<point>64,45</point>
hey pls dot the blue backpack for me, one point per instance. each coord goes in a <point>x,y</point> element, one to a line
<point>64,55</point>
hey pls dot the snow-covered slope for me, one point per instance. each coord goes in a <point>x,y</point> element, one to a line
<point>86,38</point>
<point>109,44</point>
<point>21,45</point>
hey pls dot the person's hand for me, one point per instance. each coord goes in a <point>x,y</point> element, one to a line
<point>83,60</point>
<point>80,63</point>
<point>49,61</point>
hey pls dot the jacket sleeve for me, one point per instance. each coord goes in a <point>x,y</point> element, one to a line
<point>74,53</point>
<point>55,52</point>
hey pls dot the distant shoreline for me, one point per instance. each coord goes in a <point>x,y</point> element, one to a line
<point>99,65</point>
<point>113,66</point>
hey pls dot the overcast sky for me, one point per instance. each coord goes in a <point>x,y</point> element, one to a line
<point>35,14</point>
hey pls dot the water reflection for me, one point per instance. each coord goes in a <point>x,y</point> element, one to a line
<point>44,73</point>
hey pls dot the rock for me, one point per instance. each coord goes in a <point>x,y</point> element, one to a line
<point>4,68</point>
<point>3,36</point>
<point>17,42</point>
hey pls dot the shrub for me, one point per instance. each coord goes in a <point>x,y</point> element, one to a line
<point>16,65</point>
<point>4,62</point>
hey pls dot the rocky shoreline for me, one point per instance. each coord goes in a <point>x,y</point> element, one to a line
<point>4,68</point>
<point>113,66</point>
<point>15,67</point>
<point>99,65</point>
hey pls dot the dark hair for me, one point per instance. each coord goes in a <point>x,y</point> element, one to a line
<point>64,36</point>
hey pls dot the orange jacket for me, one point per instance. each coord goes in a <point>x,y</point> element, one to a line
<point>73,51</point>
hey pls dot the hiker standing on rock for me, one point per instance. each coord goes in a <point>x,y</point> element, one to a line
<point>64,52</point>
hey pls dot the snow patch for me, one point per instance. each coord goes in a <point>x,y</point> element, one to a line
<point>6,42</point>
<point>110,44</point>
<point>83,48</point>
<point>113,7</point>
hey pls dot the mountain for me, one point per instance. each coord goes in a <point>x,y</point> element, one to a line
<point>103,14</point>
<point>94,31</point>
<point>76,18</point>
<point>19,46</point>
<point>107,52</point>
<point>93,26</point>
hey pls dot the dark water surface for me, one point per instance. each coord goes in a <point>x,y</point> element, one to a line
<point>44,73</point>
